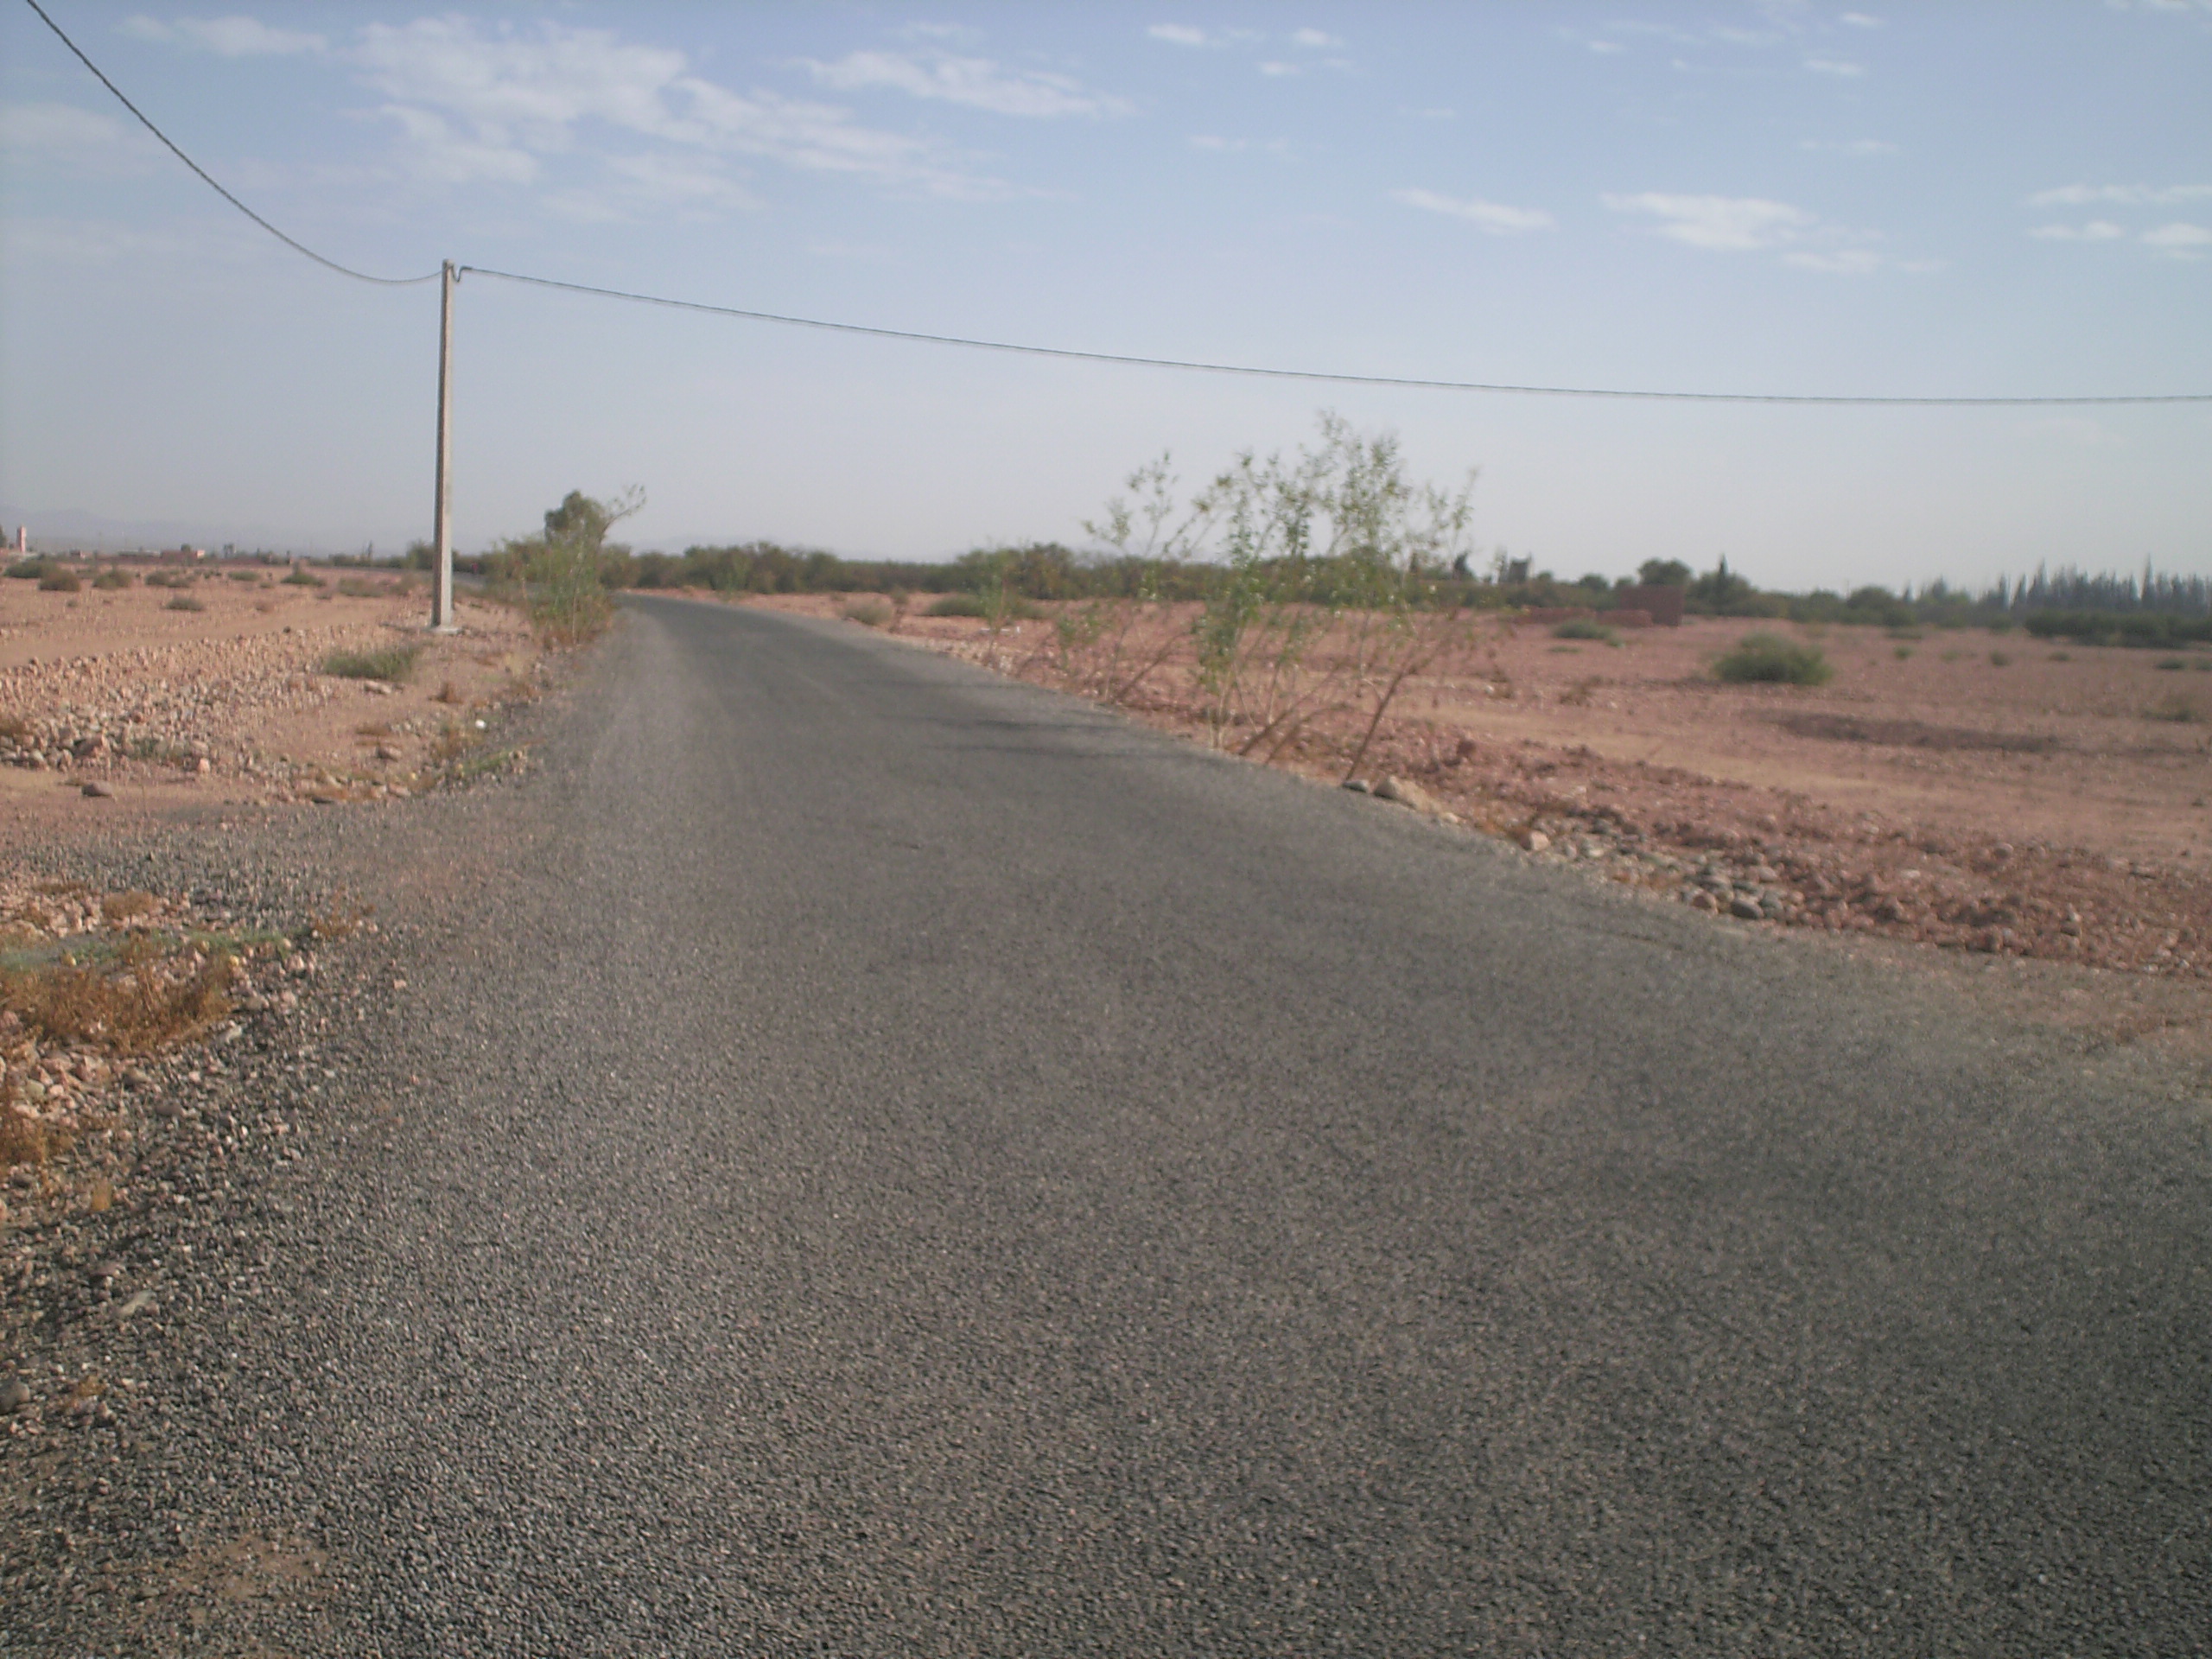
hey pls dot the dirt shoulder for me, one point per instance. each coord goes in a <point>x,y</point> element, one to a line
<point>224,698</point>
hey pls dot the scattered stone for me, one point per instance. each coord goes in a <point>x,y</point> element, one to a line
<point>1405,792</point>
<point>99,791</point>
<point>1745,909</point>
<point>1534,840</point>
<point>1358,785</point>
<point>15,1395</point>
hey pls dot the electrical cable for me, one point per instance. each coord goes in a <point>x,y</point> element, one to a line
<point>1322,374</point>
<point>297,246</point>
<point>1070,353</point>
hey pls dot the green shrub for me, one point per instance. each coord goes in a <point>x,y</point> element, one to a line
<point>167,579</point>
<point>184,602</point>
<point>2169,664</point>
<point>1770,658</point>
<point>870,613</point>
<point>304,579</point>
<point>1586,627</point>
<point>356,587</point>
<point>59,580</point>
<point>958,605</point>
<point>383,663</point>
<point>27,569</point>
<point>2000,660</point>
<point>1901,652</point>
<point>113,577</point>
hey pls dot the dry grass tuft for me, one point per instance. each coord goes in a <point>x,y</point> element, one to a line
<point>122,906</point>
<point>143,1001</point>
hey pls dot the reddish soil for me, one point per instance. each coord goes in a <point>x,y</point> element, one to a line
<point>216,692</point>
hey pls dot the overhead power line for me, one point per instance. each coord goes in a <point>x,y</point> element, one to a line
<point>1327,375</point>
<point>297,246</point>
<point>1070,353</point>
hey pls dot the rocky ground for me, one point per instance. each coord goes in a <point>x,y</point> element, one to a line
<point>114,695</point>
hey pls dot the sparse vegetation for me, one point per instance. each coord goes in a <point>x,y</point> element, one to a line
<point>2000,659</point>
<point>1770,658</point>
<point>1903,653</point>
<point>186,602</point>
<point>150,992</point>
<point>2170,664</point>
<point>563,577</point>
<point>115,576</point>
<point>2177,707</point>
<point>1586,627</point>
<point>302,578</point>
<point>27,569</point>
<point>59,579</point>
<point>357,588</point>
<point>870,613</point>
<point>956,605</point>
<point>393,663</point>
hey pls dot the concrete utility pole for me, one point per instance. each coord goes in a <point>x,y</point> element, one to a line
<point>442,579</point>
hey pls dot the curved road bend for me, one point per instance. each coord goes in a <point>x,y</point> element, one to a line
<point>922,1166</point>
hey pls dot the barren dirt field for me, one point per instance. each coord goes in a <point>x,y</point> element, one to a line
<point>1986,793</point>
<point>117,701</point>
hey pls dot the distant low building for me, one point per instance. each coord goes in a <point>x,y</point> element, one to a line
<point>1663,605</point>
<point>183,555</point>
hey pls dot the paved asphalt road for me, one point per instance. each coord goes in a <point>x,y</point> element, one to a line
<point>908,1163</point>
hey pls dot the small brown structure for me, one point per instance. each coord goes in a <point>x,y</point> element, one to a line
<point>1663,605</point>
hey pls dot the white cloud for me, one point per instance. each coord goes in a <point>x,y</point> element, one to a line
<point>2125,195</point>
<point>1837,66</point>
<point>2181,241</point>
<point>1860,20</point>
<point>2097,230</point>
<point>484,105</point>
<point>77,141</point>
<point>1851,146</point>
<point>229,37</point>
<point>1273,68</point>
<point>1606,48</point>
<point>1314,40</point>
<point>1754,225</point>
<point>440,154</point>
<point>1722,224</point>
<point>1492,217</point>
<point>1178,34</point>
<point>1843,262</point>
<point>977,82</point>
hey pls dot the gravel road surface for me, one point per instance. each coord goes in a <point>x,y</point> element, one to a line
<point>899,1162</point>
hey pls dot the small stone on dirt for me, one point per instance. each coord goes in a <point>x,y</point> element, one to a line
<point>99,791</point>
<point>1533,840</point>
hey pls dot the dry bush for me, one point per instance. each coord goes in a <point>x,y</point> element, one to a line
<point>26,1140</point>
<point>143,1001</point>
<point>124,907</point>
<point>447,693</point>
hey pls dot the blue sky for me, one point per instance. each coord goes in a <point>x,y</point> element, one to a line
<point>1953,200</point>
